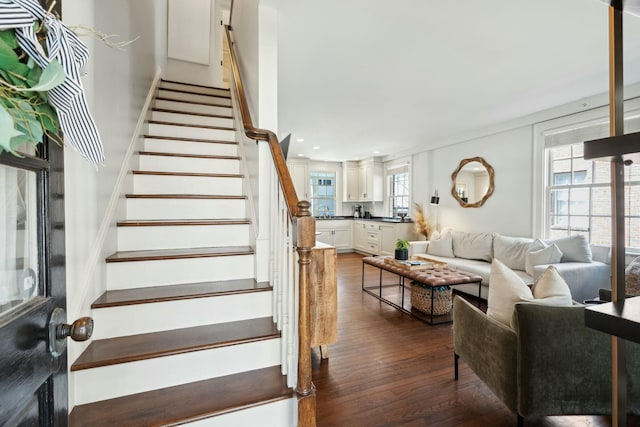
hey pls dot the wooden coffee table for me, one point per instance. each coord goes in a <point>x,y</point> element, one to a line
<point>432,278</point>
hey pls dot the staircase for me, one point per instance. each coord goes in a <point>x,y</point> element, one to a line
<point>184,334</point>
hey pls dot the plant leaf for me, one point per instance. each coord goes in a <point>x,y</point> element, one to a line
<point>7,130</point>
<point>8,58</point>
<point>51,77</point>
<point>9,37</point>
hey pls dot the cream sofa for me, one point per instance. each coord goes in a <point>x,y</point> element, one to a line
<point>584,267</point>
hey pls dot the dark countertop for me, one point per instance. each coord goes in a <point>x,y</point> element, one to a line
<point>373,218</point>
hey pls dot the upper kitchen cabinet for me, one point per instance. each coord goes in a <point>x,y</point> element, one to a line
<point>363,181</point>
<point>299,169</point>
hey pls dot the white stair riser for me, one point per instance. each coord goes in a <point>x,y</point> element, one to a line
<point>159,316</point>
<point>171,184</point>
<point>141,209</point>
<point>192,88</point>
<point>190,97</point>
<point>188,164</point>
<point>282,413</point>
<point>136,377</point>
<point>189,147</point>
<point>190,119</point>
<point>191,132</point>
<point>188,236</point>
<point>193,108</point>
<point>139,274</point>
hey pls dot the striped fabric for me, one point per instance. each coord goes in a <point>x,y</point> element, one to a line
<point>68,98</point>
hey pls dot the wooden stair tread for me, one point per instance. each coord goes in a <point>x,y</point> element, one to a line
<point>195,156</point>
<point>187,402</point>
<point>162,254</point>
<point>179,222</point>
<point>194,93</point>
<point>189,113</point>
<point>209,175</point>
<point>123,297</point>
<point>188,125</point>
<point>112,351</point>
<point>196,85</point>
<point>160,98</point>
<point>183,196</point>
<point>177,138</point>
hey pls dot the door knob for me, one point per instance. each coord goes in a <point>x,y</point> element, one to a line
<point>59,330</point>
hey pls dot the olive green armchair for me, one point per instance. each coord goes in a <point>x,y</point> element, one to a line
<point>549,364</point>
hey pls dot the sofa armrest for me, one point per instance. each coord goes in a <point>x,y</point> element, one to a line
<point>563,366</point>
<point>418,247</point>
<point>584,278</point>
<point>488,347</point>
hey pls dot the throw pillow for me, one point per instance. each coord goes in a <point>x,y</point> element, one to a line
<point>549,255</point>
<point>443,246</point>
<point>574,248</point>
<point>505,290</point>
<point>512,251</point>
<point>551,288</point>
<point>632,277</point>
<point>473,245</point>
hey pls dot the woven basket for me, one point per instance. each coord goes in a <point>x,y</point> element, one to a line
<point>421,299</point>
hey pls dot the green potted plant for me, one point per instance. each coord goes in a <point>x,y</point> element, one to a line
<point>402,250</point>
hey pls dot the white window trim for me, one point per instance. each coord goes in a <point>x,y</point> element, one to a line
<point>540,160</point>
<point>388,169</point>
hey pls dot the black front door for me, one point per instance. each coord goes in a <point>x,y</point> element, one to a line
<point>33,381</point>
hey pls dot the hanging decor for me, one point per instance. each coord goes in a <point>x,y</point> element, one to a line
<point>41,61</point>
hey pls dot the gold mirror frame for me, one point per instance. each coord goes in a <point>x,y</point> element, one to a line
<point>489,192</point>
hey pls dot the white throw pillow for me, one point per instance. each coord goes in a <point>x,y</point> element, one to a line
<point>549,255</point>
<point>443,246</point>
<point>473,245</point>
<point>574,248</point>
<point>505,290</point>
<point>512,251</point>
<point>551,288</point>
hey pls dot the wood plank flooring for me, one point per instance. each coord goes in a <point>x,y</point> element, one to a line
<point>389,369</point>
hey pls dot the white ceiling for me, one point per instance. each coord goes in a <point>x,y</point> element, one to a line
<point>364,76</point>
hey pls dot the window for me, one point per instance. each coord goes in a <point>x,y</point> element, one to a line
<point>397,189</point>
<point>399,193</point>
<point>323,193</point>
<point>578,191</point>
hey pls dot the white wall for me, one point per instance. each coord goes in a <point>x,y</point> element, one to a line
<point>509,210</point>
<point>117,84</point>
<point>244,21</point>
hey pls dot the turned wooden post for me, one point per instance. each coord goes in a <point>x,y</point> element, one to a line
<point>306,240</point>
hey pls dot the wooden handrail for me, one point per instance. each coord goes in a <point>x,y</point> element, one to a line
<point>304,228</point>
<point>263,135</point>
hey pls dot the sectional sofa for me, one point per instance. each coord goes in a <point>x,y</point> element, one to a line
<point>585,267</point>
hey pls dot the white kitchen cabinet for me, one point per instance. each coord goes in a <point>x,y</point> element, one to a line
<point>351,182</point>
<point>299,170</point>
<point>379,237</point>
<point>363,181</point>
<point>336,232</point>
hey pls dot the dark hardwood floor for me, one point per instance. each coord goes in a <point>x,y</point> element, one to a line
<point>389,369</point>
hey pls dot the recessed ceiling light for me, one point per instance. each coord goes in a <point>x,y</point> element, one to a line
<point>316,148</point>
<point>300,155</point>
<point>376,152</point>
<point>300,140</point>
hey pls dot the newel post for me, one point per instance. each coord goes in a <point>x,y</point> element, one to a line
<point>306,240</point>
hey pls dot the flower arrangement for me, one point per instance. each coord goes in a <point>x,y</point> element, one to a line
<point>421,223</point>
<point>41,61</point>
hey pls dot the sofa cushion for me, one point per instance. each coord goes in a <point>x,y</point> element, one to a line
<point>549,255</point>
<point>574,248</point>
<point>507,289</point>
<point>473,245</point>
<point>442,246</point>
<point>512,251</point>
